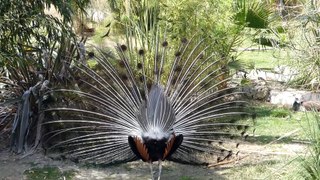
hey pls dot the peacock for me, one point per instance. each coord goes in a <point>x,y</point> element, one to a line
<point>175,105</point>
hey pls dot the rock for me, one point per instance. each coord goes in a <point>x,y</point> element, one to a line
<point>311,105</point>
<point>280,74</point>
<point>288,96</point>
<point>285,70</point>
<point>285,97</point>
<point>257,90</point>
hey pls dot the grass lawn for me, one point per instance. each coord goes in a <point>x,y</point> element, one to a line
<point>276,148</point>
<point>267,59</point>
<point>274,122</point>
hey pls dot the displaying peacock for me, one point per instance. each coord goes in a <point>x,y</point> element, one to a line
<point>162,105</point>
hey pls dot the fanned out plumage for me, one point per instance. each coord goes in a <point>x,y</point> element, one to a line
<point>165,105</point>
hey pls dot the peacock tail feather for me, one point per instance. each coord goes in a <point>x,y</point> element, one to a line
<point>176,98</point>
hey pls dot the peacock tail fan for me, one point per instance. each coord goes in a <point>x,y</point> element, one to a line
<point>154,105</point>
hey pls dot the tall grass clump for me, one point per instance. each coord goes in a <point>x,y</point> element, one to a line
<point>304,35</point>
<point>311,163</point>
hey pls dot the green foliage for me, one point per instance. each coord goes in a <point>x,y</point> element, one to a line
<point>29,36</point>
<point>252,14</point>
<point>36,50</point>
<point>208,20</point>
<point>223,24</point>
<point>305,38</point>
<point>219,24</point>
<point>311,164</point>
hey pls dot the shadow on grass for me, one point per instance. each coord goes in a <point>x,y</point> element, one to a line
<point>251,164</point>
<point>263,139</point>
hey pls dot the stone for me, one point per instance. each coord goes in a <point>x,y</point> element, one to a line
<point>288,96</point>
<point>311,105</point>
<point>279,74</point>
<point>257,90</point>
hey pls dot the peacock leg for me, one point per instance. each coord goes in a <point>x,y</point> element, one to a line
<point>160,169</point>
<point>151,169</point>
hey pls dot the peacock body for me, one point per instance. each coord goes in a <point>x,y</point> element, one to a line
<point>166,105</point>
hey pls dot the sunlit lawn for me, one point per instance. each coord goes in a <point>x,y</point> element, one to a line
<point>273,122</point>
<point>279,142</point>
<point>265,59</point>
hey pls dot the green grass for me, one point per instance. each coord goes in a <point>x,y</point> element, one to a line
<point>48,172</point>
<point>273,123</point>
<point>273,169</point>
<point>311,164</point>
<point>273,160</point>
<point>266,59</point>
<point>186,178</point>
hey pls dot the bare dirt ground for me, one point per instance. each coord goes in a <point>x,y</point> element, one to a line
<point>12,167</point>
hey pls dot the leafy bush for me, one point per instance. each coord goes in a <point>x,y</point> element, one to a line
<point>219,24</point>
<point>36,51</point>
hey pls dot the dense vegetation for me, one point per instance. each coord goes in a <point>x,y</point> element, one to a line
<point>37,49</point>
